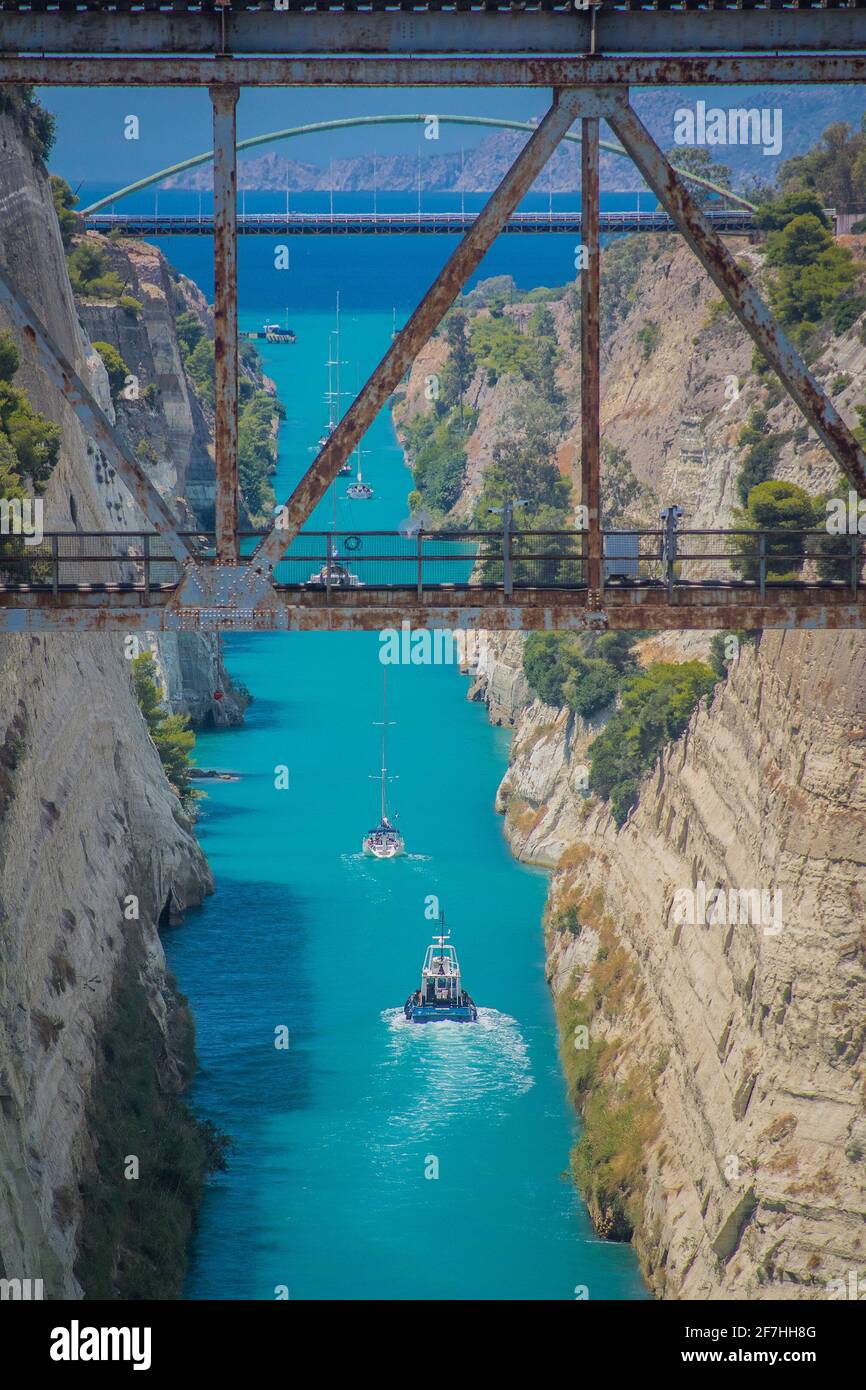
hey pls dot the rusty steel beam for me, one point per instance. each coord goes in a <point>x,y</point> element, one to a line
<point>429,313</point>
<point>592,70</point>
<point>225,182</point>
<point>97,424</point>
<point>746,303</point>
<point>402,30</point>
<point>590,388</point>
<point>820,607</point>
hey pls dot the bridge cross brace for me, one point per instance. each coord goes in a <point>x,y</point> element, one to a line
<point>231,590</point>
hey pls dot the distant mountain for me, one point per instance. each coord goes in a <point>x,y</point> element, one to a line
<point>805,113</point>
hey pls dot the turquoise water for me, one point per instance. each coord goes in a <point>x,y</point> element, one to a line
<point>325,1193</point>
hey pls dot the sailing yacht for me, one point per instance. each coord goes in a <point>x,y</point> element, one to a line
<point>441,997</point>
<point>384,841</point>
<point>359,491</point>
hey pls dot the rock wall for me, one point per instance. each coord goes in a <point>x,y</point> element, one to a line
<point>166,428</point>
<point>86,817</point>
<point>749,1042</point>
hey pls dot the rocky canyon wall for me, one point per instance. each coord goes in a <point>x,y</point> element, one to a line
<point>95,851</point>
<point>741,1041</point>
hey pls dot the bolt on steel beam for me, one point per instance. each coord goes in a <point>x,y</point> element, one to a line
<point>225,100</point>
<point>92,417</point>
<point>746,303</point>
<point>429,313</point>
<point>590,391</point>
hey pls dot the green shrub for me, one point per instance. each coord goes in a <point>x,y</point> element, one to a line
<point>257,454</point>
<point>29,443</point>
<point>560,673</point>
<point>775,506</point>
<point>171,733</point>
<point>115,366</point>
<point>656,707</point>
<point>763,449</point>
<point>64,202</point>
<point>89,274</point>
<point>37,124</point>
<point>649,336</point>
<point>437,448</point>
<point>131,306</point>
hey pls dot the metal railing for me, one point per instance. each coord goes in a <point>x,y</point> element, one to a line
<point>393,560</point>
<point>371,223</point>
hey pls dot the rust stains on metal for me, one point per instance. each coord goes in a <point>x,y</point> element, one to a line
<point>482,610</point>
<point>225,99</point>
<point>423,321</point>
<point>590,389</point>
<point>743,299</point>
<point>558,72</point>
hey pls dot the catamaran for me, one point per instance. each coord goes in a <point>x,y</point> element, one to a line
<point>384,841</point>
<point>441,998</point>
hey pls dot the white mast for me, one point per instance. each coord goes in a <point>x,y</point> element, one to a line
<point>384,769</point>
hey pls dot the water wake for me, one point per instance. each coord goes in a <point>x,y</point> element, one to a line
<point>445,1070</point>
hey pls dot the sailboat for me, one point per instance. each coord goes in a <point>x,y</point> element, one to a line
<point>441,998</point>
<point>384,841</point>
<point>359,491</point>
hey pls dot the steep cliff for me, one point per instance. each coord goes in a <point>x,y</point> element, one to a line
<point>717,1064</point>
<point>734,1051</point>
<point>164,424</point>
<point>95,852</point>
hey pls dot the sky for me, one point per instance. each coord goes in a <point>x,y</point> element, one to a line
<point>176,124</point>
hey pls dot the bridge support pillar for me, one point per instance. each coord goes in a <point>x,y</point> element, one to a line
<point>590,390</point>
<point>225,100</point>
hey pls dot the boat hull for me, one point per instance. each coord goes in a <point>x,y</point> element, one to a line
<point>417,1012</point>
<point>383,851</point>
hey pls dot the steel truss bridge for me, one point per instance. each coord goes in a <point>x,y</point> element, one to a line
<point>589,58</point>
<point>398,223</point>
<point>354,580</point>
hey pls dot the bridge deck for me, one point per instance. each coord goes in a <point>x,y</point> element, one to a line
<point>399,224</point>
<point>706,579</point>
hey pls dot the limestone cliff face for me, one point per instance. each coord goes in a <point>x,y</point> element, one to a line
<point>166,428</point>
<point>748,1041</point>
<point>676,402</point>
<point>87,819</point>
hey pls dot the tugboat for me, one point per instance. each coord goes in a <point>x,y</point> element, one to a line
<point>440,998</point>
<point>384,841</point>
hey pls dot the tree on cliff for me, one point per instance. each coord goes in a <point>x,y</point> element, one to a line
<point>173,737</point>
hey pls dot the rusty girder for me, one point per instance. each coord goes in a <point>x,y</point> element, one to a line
<point>635,610</point>
<point>746,303</point>
<point>589,70</point>
<point>430,312</point>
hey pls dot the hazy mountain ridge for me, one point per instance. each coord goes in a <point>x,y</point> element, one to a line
<point>480,166</point>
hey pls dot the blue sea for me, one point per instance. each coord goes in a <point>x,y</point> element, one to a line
<point>371,1159</point>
